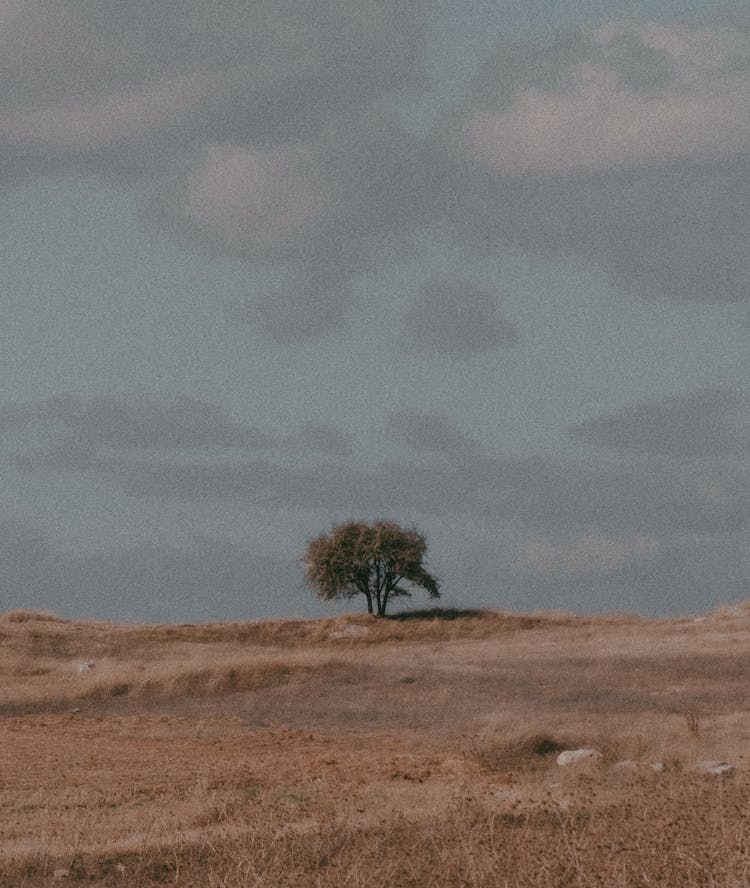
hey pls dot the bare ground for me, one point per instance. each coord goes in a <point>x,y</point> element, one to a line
<point>362,752</point>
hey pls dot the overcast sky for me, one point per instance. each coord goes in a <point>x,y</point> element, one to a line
<point>481,268</point>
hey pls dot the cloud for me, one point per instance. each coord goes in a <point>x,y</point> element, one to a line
<point>695,425</point>
<point>82,434</point>
<point>86,80</point>
<point>649,534</point>
<point>312,305</point>
<point>186,449</point>
<point>651,498</point>
<point>458,318</point>
<point>257,199</point>
<point>532,493</point>
<point>268,137</point>
<point>314,213</point>
<point>626,146</point>
<point>136,422</point>
<point>263,127</point>
<point>317,437</point>
<point>105,120</point>
<point>619,95</point>
<point>428,433</point>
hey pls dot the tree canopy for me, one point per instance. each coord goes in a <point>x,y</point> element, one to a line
<point>379,561</point>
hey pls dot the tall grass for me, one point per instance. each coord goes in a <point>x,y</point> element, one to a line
<point>682,832</point>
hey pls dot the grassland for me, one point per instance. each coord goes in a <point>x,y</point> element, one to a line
<point>363,752</point>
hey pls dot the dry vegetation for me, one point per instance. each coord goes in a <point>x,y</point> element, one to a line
<point>363,752</point>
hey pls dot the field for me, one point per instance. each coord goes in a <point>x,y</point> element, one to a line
<point>418,751</point>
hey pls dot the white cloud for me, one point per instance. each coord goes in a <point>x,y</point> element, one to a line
<point>598,126</point>
<point>254,199</point>
<point>626,147</point>
<point>600,112</point>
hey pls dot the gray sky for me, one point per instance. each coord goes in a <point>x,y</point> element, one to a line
<point>266,267</point>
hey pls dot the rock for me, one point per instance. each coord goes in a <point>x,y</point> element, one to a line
<point>578,757</point>
<point>718,769</point>
<point>86,665</point>
<point>61,873</point>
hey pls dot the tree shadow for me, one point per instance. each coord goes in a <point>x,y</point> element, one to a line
<point>437,613</point>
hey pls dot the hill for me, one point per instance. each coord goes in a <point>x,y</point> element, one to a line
<point>409,751</point>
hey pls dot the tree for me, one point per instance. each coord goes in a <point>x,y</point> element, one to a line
<point>373,560</point>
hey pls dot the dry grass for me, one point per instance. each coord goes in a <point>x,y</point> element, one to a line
<point>360,752</point>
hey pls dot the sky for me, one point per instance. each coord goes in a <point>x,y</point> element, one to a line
<point>480,268</point>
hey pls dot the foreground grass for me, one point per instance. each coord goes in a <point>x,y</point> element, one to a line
<point>361,752</point>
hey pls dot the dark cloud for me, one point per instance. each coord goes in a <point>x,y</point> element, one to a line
<point>315,305</point>
<point>191,450</point>
<point>695,425</point>
<point>645,497</point>
<point>137,422</point>
<point>651,498</point>
<point>317,437</point>
<point>428,433</point>
<point>93,433</point>
<point>457,318</point>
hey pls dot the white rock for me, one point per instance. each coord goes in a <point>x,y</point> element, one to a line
<point>578,757</point>
<point>86,665</point>
<point>718,769</point>
<point>61,873</point>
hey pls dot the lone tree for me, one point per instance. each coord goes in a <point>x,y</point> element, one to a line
<point>372,560</point>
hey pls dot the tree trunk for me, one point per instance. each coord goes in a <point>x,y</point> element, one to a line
<point>382,605</point>
<point>369,602</point>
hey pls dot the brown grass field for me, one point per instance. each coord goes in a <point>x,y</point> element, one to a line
<point>382,753</point>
